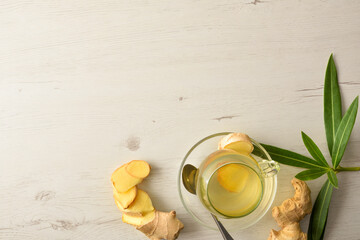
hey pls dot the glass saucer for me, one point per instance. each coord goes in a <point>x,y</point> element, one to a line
<point>194,207</point>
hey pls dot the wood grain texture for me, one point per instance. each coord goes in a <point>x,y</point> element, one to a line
<point>88,85</point>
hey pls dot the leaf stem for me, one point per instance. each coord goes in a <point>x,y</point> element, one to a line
<point>342,169</point>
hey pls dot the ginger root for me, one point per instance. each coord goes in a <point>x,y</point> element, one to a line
<point>291,212</point>
<point>239,142</point>
<point>164,226</point>
<point>138,210</point>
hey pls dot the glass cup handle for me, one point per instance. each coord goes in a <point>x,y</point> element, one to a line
<point>269,168</point>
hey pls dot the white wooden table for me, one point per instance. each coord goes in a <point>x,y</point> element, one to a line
<point>87,85</point>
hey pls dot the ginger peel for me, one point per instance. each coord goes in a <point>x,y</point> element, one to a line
<point>139,210</point>
<point>291,212</point>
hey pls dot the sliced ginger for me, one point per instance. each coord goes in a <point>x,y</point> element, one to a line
<point>122,180</point>
<point>125,198</point>
<point>233,177</point>
<point>139,211</point>
<point>138,168</point>
<point>124,210</point>
<point>238,142</point>
<point>138,220</point>
<point>142,204</point>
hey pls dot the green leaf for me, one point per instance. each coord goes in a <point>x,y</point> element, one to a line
<point>333,178</point>
<point>314,150</point>
<point>332,103</point>
<point>310,230</point>
<point>343,133</point>
<point>320,212</point>
<point>290,158</point>
<point>311,174</point>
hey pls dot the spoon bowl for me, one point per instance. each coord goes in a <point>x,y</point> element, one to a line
<point>189,175</point>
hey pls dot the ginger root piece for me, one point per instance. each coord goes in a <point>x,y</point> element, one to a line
<point>156,225</point>
<point>125,198</point>
<point>138,168</point>
<point>122,180</point>
<point>165,225</point>
<point>291,212</point>
<point>289,232</point>
<point>239,142</point>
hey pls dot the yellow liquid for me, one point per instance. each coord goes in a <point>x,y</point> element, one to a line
<point>234,190</point>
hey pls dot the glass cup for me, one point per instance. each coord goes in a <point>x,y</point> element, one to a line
<point>258,164</point>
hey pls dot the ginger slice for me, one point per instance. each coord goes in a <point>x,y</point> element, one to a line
<point>291,212</point>
<point>138,168</point>
<point>238,142</point>
<point>233,177</point>
<point>123,210</point>
<point>122,180</point>
<point>141,205</point>
<point>125,198</point>
<point>138,220</point>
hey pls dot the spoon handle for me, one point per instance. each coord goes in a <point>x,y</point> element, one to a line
<point>222,229</point>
